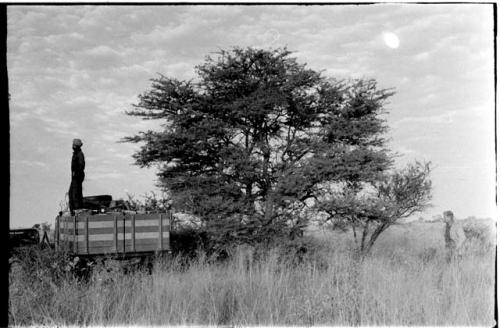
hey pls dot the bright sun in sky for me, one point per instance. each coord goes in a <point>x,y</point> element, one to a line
<point>391,40</point>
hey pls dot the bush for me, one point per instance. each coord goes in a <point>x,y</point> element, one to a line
<point>303,251</point>
<point>477,230</point>
<point>427,255</point>
<point>187,242</point>
<point>39,262</point>
<point>35,277</point>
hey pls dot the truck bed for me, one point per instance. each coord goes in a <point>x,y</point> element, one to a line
<point>113,233</point>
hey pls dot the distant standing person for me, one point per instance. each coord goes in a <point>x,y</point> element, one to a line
<point>454,235</point>
<point>77,177</point>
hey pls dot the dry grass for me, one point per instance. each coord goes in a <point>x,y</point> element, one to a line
<point>404,282</point>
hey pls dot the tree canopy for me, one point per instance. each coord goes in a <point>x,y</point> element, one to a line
<point>257,137</point>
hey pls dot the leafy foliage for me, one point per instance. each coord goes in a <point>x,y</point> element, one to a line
<point>258,138</point>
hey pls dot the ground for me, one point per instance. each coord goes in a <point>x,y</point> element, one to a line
<point>404,281</point>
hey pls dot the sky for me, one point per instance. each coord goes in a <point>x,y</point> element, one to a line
<point>74,71</point>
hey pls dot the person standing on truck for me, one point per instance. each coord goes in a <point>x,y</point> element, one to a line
<point>77,177</point>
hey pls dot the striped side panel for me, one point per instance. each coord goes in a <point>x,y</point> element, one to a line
<point>101,233</point>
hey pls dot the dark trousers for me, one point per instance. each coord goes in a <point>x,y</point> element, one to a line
<point>75,195</point>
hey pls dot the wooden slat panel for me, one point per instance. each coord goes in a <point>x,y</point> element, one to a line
<point>133,232</point>
<point>99,243</point>
<point>87,234</point>
<point>145,245</point>
<point>110,236</point>
<point>120,226</point>
<point>109,223</point>
<point>62,231</point>
<point>63,219</point>
<point>74,235</point>
<point>68,245</point>
<point>67,232</point>
<point>92,218</point>
<point>56,235</point>
<point>101,231</point>
<point>105,227</point>
<point>102,250</point>
<point>146,241</point>
<point>152,241</point>
<point>122,232</point>
<point>115,232</point>
<point>144,235</point>
<point>66,229</point>
<point>146,229</point>
<point>95,225</point>
<point>96,231</point>
<point>101,224</point>
<point>109,216</point>
<point>69,225</point>
<point>91,238</point>
<point>160,232</point>
<point>128,243</point>
<point>97,247</point>
<point>108,247</point>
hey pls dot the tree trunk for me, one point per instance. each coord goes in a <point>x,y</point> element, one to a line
<point>354,234</point>
<point>374,237</point>
<point>267,190</point>
<point>363,237</point>
<point>268,211</point>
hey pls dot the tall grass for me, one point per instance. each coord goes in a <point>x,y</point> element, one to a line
<point>402,283</point>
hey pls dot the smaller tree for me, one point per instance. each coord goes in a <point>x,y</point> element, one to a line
<point>376,206</point>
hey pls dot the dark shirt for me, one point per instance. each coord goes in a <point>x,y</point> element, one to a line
<point>78,165</point>
<point>450,243</point>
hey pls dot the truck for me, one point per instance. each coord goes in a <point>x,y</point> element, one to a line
<point>23,238</point>
<point>104,229</point>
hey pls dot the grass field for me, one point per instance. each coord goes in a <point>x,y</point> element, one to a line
<point>405,281</point>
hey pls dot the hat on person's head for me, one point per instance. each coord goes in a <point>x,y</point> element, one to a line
<point>448,213</point>
<point>448,216</point>
<point>77,142</point>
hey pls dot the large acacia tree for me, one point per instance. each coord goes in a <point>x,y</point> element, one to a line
<point>256,137</point>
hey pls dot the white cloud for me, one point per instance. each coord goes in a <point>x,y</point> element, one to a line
<point>422,56</point>
<point>106,176</point>
<point>18,118</point>
<point>103,51</point>
<point>37,164</point>
<point>69,40</point>
<point>58,126</point>
<point>447,117</point>
<point>97,58</point>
